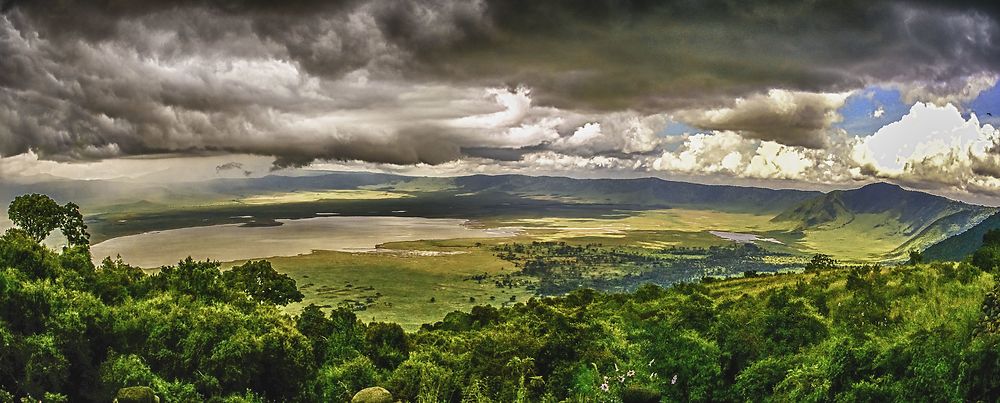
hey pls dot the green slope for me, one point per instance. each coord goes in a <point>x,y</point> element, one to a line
<point>881,215</point>
<point>963,244</point>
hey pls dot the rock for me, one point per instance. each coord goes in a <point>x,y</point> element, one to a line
<point>136,394</point>
<point>372,395</point>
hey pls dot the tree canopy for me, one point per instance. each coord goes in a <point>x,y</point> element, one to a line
<point>38,215</point>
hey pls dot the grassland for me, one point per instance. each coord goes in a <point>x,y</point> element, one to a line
<point>868,237</point>
<point>397,285</point>
<point>398,282</point>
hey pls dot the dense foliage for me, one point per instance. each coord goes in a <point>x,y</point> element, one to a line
<point>38,215</point>
<point>556,268</point>
<point>70,330</point>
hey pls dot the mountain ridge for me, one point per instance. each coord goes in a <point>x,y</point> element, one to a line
<point>962,244</point>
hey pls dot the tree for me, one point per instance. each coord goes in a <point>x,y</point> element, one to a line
<point>821,262</point>
<point>988,255</point>
<point>261,282</point>
<point>790,323</point>
<point>916,257</point>
<point>20,251</point>
<point>200,279</point>
<point>72,225</point>
<point>36,214</point>
<point>386,344</point>
<point>313,324</point>
<point>992,237</point>
<point>522,367</point>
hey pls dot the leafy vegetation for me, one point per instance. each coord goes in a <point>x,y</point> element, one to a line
<point>73,331</point>
<point>562,267</point>
<point>965,243</point>
<point>38,215</point>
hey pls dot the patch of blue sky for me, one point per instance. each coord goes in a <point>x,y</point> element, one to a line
<point>677,128</point>
<point>868,110</point>
<point>986,106</point>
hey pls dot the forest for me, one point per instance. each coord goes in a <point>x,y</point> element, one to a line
<point>74,331</point>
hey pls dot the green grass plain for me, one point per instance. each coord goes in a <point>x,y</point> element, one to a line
<point>868,237</point>
<point>400,281</point>
<point>398,285</point>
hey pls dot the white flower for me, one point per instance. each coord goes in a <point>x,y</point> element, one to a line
<point>651,362</point>
<point>630,373</point>
<point>673,380</point>
<point>605,387</point>
<point>616,367</point>
<point>621,379</point>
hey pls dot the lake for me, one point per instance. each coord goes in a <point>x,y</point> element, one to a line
<point>739,237</point>
<point>293,237</point>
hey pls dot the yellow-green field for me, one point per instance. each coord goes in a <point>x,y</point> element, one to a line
<point>666,219</point>
<point>401,282</point>
<point>867,238</point>
<point>667,227</point>
<point>303,197</point>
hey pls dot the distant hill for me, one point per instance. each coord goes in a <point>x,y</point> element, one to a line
<point>963,244</point>
<point>646,192</point>
<point>825,209</point>
<point>641,192</point>
<point>915,219</point>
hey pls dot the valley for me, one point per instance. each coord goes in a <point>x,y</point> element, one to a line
<point>385,246</point>
<point>422,258</point>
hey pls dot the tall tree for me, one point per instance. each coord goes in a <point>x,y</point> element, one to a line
<point>36,214</point>
<point>261,282</point>
<point>72,225</point>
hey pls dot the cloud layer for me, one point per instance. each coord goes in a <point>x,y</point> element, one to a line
<point>496,84</point>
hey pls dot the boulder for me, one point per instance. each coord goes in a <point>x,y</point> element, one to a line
<point>372,395</point>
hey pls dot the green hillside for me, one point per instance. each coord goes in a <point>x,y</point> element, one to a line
<point>828,209</point>
<point>883,214</point>
<point>963,244</point>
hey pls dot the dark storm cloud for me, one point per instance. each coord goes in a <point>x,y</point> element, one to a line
<point>101,78</point>
<point>607,54</point>
<point>790,118</point>
<point>621,54</point>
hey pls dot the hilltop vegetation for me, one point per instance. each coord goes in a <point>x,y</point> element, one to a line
<point>73,331</point>
<point>965,243</point>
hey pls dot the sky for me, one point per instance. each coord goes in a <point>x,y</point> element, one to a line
<point>818,94</point>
